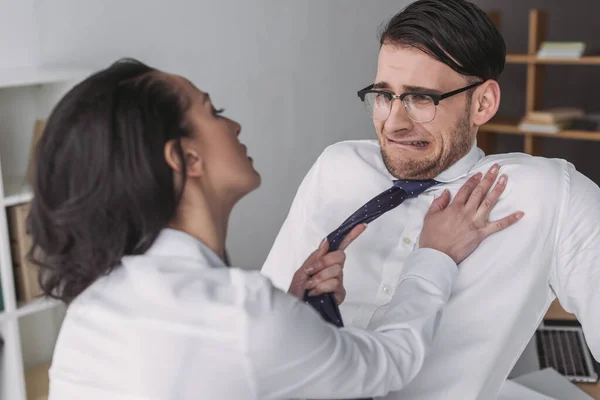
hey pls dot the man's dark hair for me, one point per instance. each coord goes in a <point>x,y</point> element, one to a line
<point>455,32</point>
<point>102,188</point>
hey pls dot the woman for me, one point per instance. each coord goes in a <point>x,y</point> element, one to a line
<point>136,177</point>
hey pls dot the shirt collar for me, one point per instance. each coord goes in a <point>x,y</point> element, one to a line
<point>175,243</point>
<point>461,168</point>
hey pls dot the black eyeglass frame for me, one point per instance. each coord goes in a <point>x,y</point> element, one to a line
<point>434,96</point>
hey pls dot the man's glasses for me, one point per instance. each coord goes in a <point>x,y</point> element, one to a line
<point>420,107</point>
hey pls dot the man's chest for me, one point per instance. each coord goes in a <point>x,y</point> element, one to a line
<point>506,268</point>
<point>375,260</point>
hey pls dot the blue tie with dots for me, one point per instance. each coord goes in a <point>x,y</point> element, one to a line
<point>325,304</point>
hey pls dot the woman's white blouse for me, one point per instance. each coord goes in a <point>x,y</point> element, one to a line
<point>176,324</point>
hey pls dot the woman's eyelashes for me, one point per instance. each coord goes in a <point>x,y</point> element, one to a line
<point>216,112</point>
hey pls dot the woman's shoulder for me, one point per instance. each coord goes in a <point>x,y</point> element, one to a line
<point>168,282</point>
<point>171,289</point>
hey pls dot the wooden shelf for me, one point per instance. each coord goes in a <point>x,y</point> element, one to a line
<point>511,126</point>
<point>557,312</point>
<point>37,382</point>
<point>593,389</point>
<point>518,58</point>
<point>532,59</point>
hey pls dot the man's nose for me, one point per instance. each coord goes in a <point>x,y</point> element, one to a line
<point>398,119</point>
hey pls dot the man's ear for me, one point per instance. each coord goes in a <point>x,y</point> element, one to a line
<point>175,149</point>
<point>485,103</point>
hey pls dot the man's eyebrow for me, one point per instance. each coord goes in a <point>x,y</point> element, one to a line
<point>407,88</point>
<point>421,89</point>
<point>381,85</point>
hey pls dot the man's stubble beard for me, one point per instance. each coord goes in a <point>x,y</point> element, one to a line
<point>430,168</point>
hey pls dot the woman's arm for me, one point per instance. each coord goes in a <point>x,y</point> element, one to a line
<point>292,353</point>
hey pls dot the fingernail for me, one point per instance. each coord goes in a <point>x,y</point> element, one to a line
<point>502,180</point>
<point>309,270</point>
<point>495,168</point>
<point>441,195</point>
<point>323,243</point>
<point>307,285</point>
<point>478,175</point>
<point>519,215</point>
<point>312,293</point>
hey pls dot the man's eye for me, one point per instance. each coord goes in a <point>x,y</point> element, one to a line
<point>421,98</point>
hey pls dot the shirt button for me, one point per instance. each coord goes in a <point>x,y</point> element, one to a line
<point>407,240</point>
<point>386,289</point>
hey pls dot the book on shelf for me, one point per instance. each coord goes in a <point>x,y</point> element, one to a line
<point>554,115</point>
<point>37,382</point>
<point>554,120</point>
<point>543,128</point>
<point>590,123</point>
<point>38,129</point>
<point>561,50</point>
<point>26,273</point>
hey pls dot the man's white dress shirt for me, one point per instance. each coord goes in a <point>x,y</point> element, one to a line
<point>175,324</point>
<point>503,289</point>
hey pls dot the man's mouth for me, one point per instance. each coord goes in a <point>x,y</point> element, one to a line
<point>413,143</point>
<point>418,144</point>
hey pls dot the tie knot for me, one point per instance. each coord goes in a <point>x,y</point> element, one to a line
<point>415,188</point>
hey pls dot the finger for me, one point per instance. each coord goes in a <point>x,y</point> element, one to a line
<point>315,255</point>
<point>326,261</point>
<point>483,188</point>
<point>352,235</point>
<point>330,286</point>
<point>323,248</point>
<point>333,272</point>
<point>497,226</point>
<point>340,295</point>
<point>465,191</point>
<point>440,203</point>
<point>483,212</point>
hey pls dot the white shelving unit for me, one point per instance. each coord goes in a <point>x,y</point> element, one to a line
<point>29,330</point>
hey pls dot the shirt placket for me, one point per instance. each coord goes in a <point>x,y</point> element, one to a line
<point>394,262</point>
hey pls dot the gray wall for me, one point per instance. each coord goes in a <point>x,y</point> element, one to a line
<point>18,33</point>
<point>288,72</point>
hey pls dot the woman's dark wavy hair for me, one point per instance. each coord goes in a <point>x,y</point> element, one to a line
<point>102,188</point>
<point>455,32</point>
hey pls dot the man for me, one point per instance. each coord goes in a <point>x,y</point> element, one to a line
<point>436,83</point>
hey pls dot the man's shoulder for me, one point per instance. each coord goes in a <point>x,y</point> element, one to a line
<point>529,168</point>
<point>344,164</point>
<point>353,157</point>
<point>533,174</point>
<point>348,150</point>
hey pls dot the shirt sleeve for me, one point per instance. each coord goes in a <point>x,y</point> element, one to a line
<point>296,239</point>
<point>293,353</point>
<point>577,276</point>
